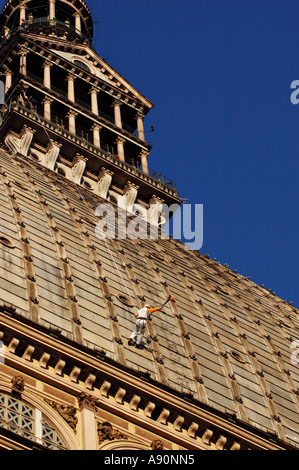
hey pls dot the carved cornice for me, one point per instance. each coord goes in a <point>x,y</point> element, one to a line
<point>15,143</point>
<point>202,428</point>
<point>101,121</point>
<point>131,97</point>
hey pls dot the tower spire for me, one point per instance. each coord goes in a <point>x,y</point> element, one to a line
<point>73,17</point>
<point>73,97</point>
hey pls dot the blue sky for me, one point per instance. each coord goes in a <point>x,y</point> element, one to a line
<point>219,73</point>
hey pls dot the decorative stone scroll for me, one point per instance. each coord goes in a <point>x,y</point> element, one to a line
<point>78,168</point>
<point>19,143</point>
<point>104,182</point>
<point>47,156</point>
<point>155,209</point>
<point>130,195</point>
<point>67,412</point>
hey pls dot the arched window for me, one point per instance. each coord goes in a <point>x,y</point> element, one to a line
<point>82,65</point>
<point>21,418</point>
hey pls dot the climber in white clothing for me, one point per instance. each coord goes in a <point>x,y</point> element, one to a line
<point>142,316</point>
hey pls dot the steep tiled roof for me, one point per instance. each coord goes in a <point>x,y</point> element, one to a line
<point>225,341</point>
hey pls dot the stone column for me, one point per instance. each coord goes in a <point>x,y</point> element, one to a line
<point>120,148</point>
<point>72,121</point>
<point>140,127</point>
<point>52,9</point>
<point>22,13</point>
<point>8,79</point>
<point>144,156</point>
<point>87,422</point>
<point>78,21</point>
<point>47,107</point>
<point>71,87</point>
<point>117,114</point>
<point>23,61</point>
<point>47,74</point>
<point>96,129</point>
<point>94,100</point>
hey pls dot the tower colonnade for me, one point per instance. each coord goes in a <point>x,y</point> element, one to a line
<point>93,104</point>
<point>52,14</point>
<point>55,78</point>
<point>65,20</point>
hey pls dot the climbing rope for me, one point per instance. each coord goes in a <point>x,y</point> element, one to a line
<point>105,240</point>
<point>79,192</point>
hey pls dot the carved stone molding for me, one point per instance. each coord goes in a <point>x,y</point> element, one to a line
<point>182,422</point>
<point>87,401</point>
<point>67,412</point>
<point>156,204</point>
<point>17,384</point>
<point>157,444</point>
<point>107,433</point>
<point>79,165</point>
<point>47,156</point>
<point>105,178</point>
<point>130,195</point>
<point>19,143</point>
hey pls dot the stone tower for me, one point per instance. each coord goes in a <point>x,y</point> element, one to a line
<point>218,368</point>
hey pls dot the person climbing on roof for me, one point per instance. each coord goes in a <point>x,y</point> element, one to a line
<point>142,316</point>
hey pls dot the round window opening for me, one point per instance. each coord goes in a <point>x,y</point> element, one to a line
<point>238,357</point>
<point>6,242</point>
<point>34,157</point>
<point>87,185</point>
<point>125,300</point>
